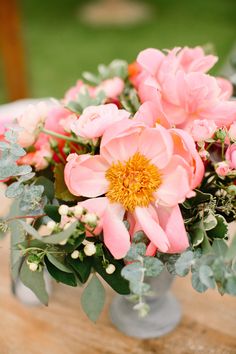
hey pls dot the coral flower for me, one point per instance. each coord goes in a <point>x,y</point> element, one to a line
<point>141,176</point>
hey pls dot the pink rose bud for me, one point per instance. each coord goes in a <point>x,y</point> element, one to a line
<point>222,168</point>
<point>203,129</point>
<point>231,156</point>
<point>232,132</point>
<point>204,154</point>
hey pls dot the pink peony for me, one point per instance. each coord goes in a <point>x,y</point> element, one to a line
<point>231,156</point>
<point>95,119</point>
<point>186,93</point>
<point>202,130</point>
<point>142,177</point>
<point>222,168</point>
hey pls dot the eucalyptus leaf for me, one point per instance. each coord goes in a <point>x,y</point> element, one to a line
<point>196,282</point>
<point>133,272</point>
<point>35,282</point>
<point>183,263</point>
<point>206,276</point>
<point>153,266</point>
<point>219,247</point>
<point>93,298</point>
<point>139,288</point>
<point>135,251</point>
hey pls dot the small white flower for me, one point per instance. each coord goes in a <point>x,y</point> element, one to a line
<point>78,211</point>
<point>63,242</point>
<point>63,209</point>
<point>33,266</point>
<point>75,254</point>
<point>90,249</point>
<point>51,225</point>
<point>110,269</point>
<point>90,219</point>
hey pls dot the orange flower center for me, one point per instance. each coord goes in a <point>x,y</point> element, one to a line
<point>132,183</point>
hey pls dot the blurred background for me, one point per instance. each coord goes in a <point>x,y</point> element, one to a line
<point>45,45</point>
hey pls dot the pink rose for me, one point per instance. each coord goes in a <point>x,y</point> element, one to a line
<point>232,132</point>
<point>30,122</point>
<point>72,93</point>
<point>96,119</point>
<point>222,168</point>
<point>231,156</point>
<point>202,130</point>
<point>112,87</point>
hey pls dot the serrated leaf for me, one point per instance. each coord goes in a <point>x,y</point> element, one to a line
<point>183,263</point>
<point>220,230</point>
<point>93,298</point>
<point>153,266</point>
<point>206,276</point>
<point>35,282</point>
<point>209,221</point>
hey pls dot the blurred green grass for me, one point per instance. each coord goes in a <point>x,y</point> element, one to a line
<point>59,47</point>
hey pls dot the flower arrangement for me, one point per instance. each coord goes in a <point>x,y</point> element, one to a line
<point>132,171</point>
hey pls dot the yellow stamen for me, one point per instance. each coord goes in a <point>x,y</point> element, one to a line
<point>132,183</point>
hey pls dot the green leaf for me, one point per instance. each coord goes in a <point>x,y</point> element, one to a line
<point>60,276</point>
<point>199,198</point>
<point>133,272</point>
<point>82,269</point>
<point>220,230</point>
<point>48,186</point>
<point>115,280</point>
<point>139,236</point>
<point>135,251</point>
<point>139,288</point>
<point>231,253</point>
<point>206,246</point>
<point>61,190</point>
<point>93,298</point>
<point>231,285</point>
<point>196,282</point>
<point>219,247</point>
<point>209,221</point>
<point>206,276</point>
<point>59,264</point>
<point>35,282</point>
<point>52,212</point>
<point>183,263</point>
<point>197,236</point>
<point>153,266</point>
<point>74,243</point>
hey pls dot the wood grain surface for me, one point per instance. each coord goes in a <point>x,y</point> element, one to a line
<point>208,325</point>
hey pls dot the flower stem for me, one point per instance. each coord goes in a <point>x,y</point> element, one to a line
<point>77,140</point>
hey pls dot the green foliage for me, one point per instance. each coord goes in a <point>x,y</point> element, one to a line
<point>48,187</point>
<point>183,263</point>
<point>81,268</point>
<point>60,276</point>
<point>52,212</point>
<point>61,190</point>
<point>35,282</point>
<point>84,99</point>
<point>93,298</point>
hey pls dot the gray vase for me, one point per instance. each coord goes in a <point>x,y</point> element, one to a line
<point>164,314</point>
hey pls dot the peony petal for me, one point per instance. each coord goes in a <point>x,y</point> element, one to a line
<point>150,59</point>
<point>176,179</point>
<point>85,175</point>
<point>116,235</point>
<point>152,229</point>
<point>157,145</point>
<point>171,221</point>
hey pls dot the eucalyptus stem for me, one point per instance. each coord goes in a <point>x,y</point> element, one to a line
<point>26,217</point>
<point>77,140</point>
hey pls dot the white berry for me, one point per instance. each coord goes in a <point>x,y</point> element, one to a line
<point>63,242</point>
<point>78,211</point>
<point>75,254</point>
<point>33,266</point>
<point>110,269</point>
<point>91,219</point>
<point>51,225</point>
<point>90,249</point>
<point>63,209</point>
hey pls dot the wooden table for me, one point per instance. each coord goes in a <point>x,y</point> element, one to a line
<point>208,325</point>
